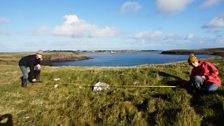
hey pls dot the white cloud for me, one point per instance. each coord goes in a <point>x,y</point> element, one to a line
<point>148,36</point>
<point>4,32</point>
<point>161,37</point>
<point>172,6</point>
<point>3,21</point>
<point>77,28</point>
<point>158,37</point>
<point>220,39</point>
<point>209,3</point>
<point>172,37</point>
<point>71,19</point>
<point>217,22</point>
<point>43,30</point>
<point>190,36</point>
<point>105,32</point>
<point>129,7</point>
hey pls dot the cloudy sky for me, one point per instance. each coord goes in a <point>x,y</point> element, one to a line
<point>30,25</point>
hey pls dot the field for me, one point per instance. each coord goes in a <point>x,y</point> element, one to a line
<point>74,102</point>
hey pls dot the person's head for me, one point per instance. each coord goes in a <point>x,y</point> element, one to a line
<point>192,60</point>
<point>39,55</point>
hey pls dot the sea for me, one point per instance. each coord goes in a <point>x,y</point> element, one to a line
<point>127,59</point>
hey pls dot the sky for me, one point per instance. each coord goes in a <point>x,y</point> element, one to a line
<point>31,25</point>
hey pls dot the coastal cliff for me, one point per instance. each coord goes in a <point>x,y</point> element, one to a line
<point>62,56</point>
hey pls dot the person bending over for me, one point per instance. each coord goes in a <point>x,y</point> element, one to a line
<point>30,62</point>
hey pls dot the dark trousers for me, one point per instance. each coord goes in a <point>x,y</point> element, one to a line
<point>199,85</point>
<point>24,72</point>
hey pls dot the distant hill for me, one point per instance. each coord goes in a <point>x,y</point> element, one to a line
<point>103,51</point>
<point>212,51</point>
<point>62,56</point>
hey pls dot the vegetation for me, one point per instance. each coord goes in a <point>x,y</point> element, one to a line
<point>74,102</point>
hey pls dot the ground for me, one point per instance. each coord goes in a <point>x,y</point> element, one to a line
<point>74,102</point>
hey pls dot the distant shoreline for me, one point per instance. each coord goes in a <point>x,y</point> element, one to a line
<point>69,55</point>
<point>63,56</point>
<point>210,51</point>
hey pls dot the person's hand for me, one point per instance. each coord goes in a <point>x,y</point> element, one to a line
<point>34,80</point>
<point>37,67</point>
<point>203,78</point>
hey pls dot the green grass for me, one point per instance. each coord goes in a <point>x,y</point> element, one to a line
<point>74,103</point>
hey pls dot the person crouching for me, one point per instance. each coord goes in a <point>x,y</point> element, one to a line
<point>204,76</point>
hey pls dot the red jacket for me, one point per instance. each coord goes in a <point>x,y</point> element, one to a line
<point>206,69</point>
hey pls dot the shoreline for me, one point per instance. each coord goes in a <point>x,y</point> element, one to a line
<point>63,55</point>
<point>118,64</point>
<point>210,51</point>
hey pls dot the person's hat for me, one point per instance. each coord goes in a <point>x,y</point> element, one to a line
<point>192,58</point>
<point>40,52</point>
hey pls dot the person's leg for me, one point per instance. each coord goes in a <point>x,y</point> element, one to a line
<point>29,77</point>
<point>25,74</point>
<point>210,88</point>
<point>197,83</point>
<point>24,77</point>
<point>37,75</point>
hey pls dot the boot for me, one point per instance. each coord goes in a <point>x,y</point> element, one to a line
<point>24,82</point>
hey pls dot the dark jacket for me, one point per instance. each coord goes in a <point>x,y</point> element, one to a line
<point>29,61</point>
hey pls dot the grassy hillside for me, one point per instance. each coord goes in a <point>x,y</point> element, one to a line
<point>74,103</point>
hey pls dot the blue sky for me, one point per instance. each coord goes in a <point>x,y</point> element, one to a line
<point>30,25</point>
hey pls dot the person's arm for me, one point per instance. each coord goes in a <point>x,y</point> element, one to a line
<point>31,63</point>
<point>31,70</point>
<point>37,67</point>
<point>192,75</point>
<point>213,72</point>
